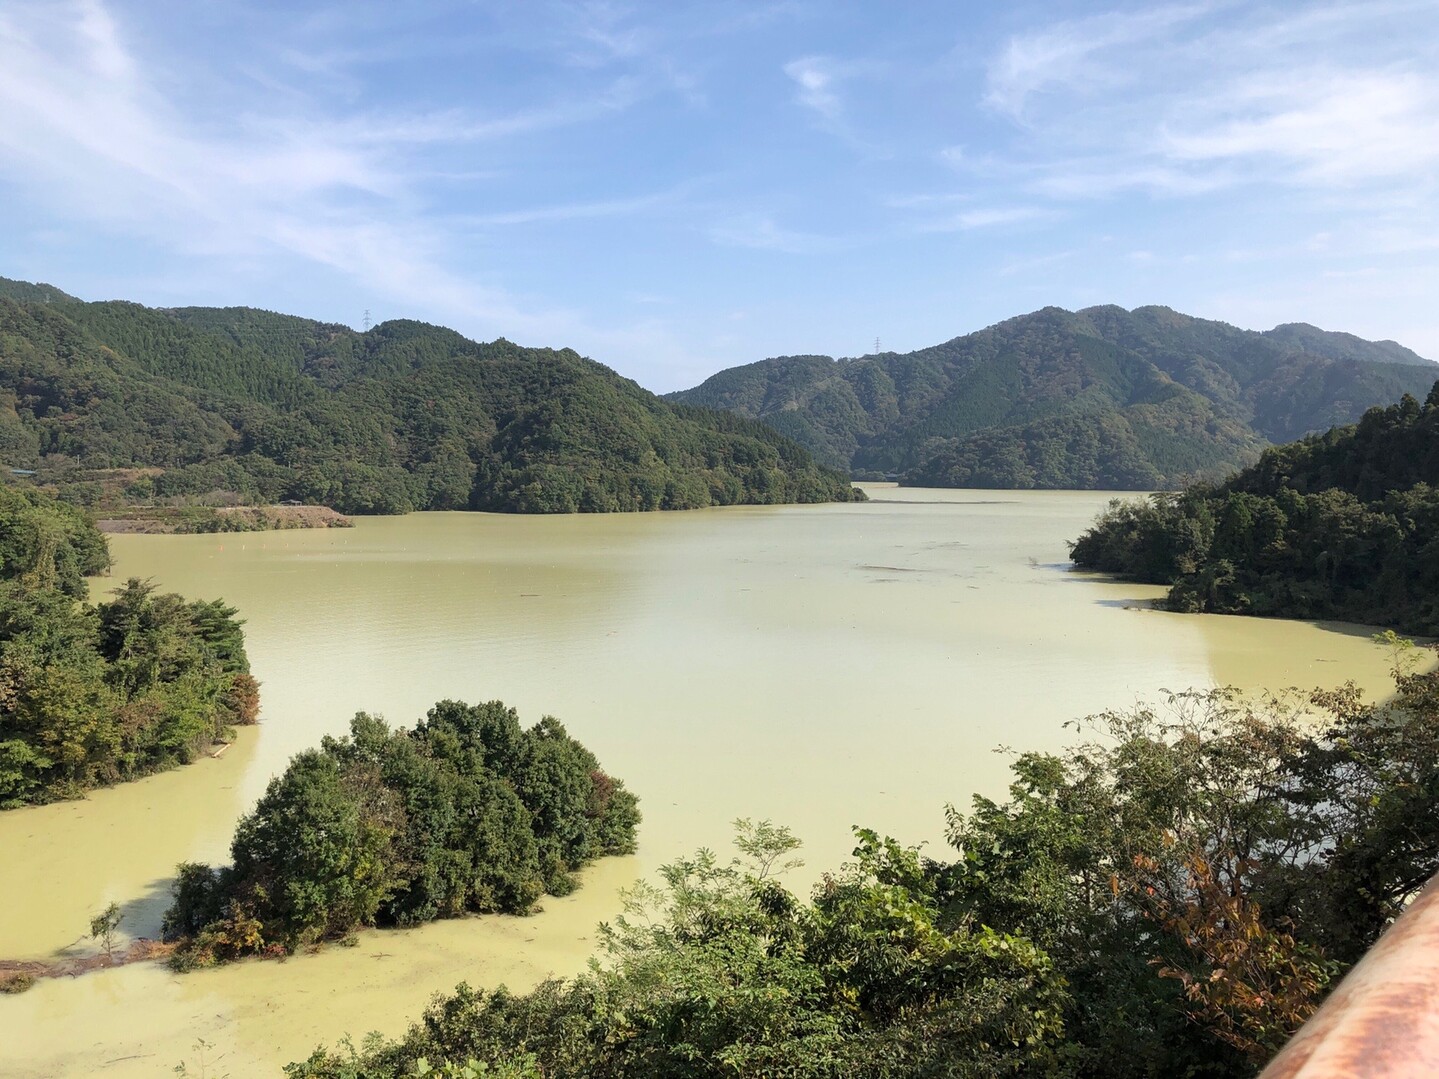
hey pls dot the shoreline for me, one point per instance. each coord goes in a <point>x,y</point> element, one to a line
<point>19,975</point>
<point>192,520</point>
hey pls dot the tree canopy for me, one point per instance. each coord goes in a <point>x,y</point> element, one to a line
<point>465,812</point>
<point>1340,525</point>
<point>94,695</point>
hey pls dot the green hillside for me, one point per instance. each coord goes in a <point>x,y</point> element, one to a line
<point>1341,525</point>
<point>1099,398</point>
<point>245,405</point>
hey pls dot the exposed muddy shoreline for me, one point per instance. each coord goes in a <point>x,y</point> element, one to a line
<point>189,520</point>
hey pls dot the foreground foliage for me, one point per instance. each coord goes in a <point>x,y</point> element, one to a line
<point>1341,525</point>
<point>465,812</point>
<point>94,695</point>
<point>220,406</point>
<point>1173,897</point>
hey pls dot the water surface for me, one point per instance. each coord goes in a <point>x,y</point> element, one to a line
<point>822,666</point>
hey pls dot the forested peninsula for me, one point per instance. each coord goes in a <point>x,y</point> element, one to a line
<point>94,695</point>
<point>466,812</point>
<point>115,404</point>
<point>1343,525</point>
<point>1098,399</point>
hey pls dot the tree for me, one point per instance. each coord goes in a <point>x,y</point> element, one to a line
<point>103,927</point>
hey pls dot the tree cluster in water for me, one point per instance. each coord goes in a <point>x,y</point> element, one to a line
<point>248,405</point>
<point>466,812</point>
<point>1173,898</point>
<point>1343,525</point>
<point>92,695</point>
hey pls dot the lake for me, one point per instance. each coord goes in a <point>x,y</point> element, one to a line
<point>821,666</point>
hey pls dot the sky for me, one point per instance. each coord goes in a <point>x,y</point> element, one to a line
<point>674,187</point>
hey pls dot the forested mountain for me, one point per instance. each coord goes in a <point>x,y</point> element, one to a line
<point>266,407</point>
<point>1340,525</point>
<point>1099,398</point>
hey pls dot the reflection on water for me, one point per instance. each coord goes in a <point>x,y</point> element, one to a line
<point>823,666</point>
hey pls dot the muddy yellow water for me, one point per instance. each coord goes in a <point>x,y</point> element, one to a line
<point>822,666</point>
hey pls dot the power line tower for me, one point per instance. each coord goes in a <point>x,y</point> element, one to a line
<point>367,320</point>
<point>876,346</point>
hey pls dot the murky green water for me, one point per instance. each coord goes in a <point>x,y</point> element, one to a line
<point>823,666</point>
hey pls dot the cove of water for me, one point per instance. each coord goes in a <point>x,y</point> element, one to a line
<point>824,666</point>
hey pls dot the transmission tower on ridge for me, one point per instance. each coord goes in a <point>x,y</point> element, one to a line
<point>367,320</point>
<point>876,346</point>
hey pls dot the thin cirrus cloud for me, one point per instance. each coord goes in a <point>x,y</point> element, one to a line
<point>819,82</point>
<point>84,128</point>
<point>1174,102</point>
<point>815,78</point>
<point>1324,127</point>
<point>987,218</point>
<point>1071,54</point>
<point>760,232</point>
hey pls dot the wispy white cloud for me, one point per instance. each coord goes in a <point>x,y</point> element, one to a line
<point>1175,102</point>
<point>85,127</point>
<point>988,217</point>
<point>1026,266</point>
<point>816,79</point>
<point>819,82</point>
<point>1322,126</point>
<point>928,201</point>
<point>572,211</point>
<point>1070,54</point>
<point>1100,177</point>
<point>760,232</point>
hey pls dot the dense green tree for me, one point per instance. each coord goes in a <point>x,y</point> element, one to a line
<point>723,972</point>
<point>48,544</point>
<point>467,812</point>
<point>1339,525</point>
<point>95,695</point>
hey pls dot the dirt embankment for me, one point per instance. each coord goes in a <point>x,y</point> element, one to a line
<point>165,520</point>
<point>17,975</point>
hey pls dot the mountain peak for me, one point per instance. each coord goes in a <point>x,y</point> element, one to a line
<point>33,292</point>
<point>1100,397</point>
<point>1302,335</point>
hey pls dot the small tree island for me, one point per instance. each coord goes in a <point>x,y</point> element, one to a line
<point>465,813</point>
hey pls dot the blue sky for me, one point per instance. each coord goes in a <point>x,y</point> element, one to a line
<point>675,187</point>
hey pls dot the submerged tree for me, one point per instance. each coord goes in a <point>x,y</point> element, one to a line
<point>103,927</point>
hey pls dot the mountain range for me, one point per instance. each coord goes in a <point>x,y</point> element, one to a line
<point>252,406</point>
<point>1101,398</point>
